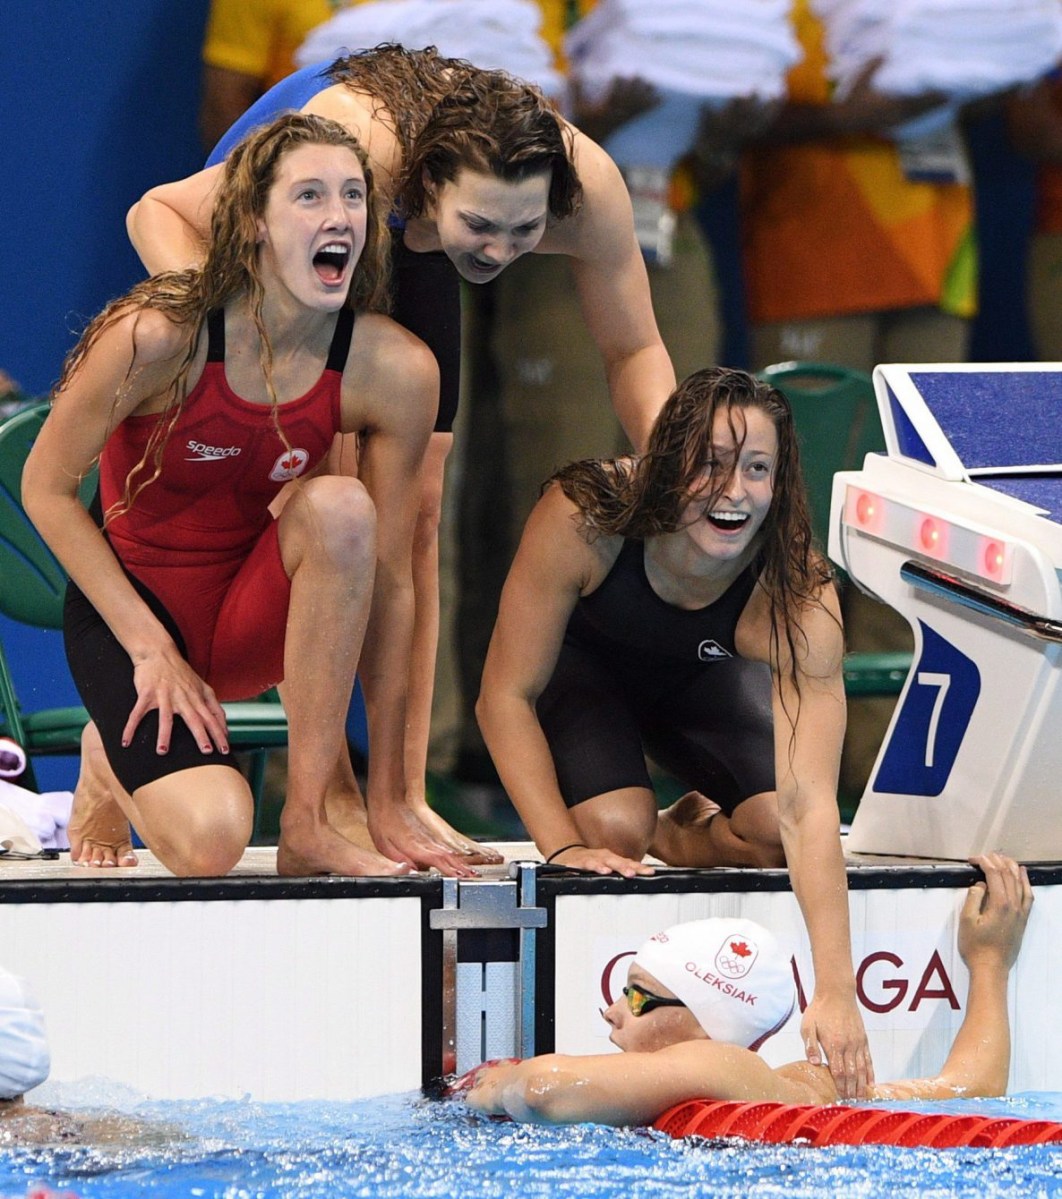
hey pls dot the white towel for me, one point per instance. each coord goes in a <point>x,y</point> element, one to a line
<point>16,836</point>
<point>45,817</point>
<point>962,48</point>
<point>493,34</point>
<point>708,49</point>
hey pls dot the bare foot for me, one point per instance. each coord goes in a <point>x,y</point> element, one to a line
<point>346,814</point>
<point>475,853</point>
<point>307,848</point>
<point>686,821</point>
<point>345,809</point>
<point>98,830</point>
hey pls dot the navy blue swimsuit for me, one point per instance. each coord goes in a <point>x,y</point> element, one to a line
<point>291,94</point>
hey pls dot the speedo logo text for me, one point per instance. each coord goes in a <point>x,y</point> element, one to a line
<point>199,452</point>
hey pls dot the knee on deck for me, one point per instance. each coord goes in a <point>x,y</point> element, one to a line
<point>197,822</point>
<point>625,828</point>
<point>209,846</point>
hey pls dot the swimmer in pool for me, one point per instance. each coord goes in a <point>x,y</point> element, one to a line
<point>23,1124</point>
<point>24,1055</point>
<point>682,1039</point>
<point>25,1060</point>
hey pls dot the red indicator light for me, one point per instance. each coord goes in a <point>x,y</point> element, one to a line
<point>993,558</point>
<point>865,510</point>
<point>930,536</point>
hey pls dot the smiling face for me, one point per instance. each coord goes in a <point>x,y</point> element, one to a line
<point>484,222</point>
<point>728,507</point>
<point>313,229</point>
<point>654,1029</point>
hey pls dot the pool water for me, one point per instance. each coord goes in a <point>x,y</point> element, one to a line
<point>402,1146</point>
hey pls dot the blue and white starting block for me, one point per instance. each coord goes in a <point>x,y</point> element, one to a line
<point>959,528</point>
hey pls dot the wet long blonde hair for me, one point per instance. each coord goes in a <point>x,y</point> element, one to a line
<point>231,268</point>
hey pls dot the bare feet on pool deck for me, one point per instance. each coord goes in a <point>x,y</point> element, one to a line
<point>306,850</point>
<point>346,814</point>
<point>473,852</point>
<point>682,828</point>
<point>98,830</point>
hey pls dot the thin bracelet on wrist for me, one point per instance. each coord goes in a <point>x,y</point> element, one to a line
<point>564,849</point>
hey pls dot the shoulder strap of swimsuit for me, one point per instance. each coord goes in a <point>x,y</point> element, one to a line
<point>340,347</point>
<point>216,335</point>
<point>745,584</point>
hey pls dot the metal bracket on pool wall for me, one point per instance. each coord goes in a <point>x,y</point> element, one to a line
<point>488,1003</point>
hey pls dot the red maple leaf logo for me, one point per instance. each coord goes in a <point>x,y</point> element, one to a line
<point>741,949</point>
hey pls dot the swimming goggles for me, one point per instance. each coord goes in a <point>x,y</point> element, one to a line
<point>641,1001</point>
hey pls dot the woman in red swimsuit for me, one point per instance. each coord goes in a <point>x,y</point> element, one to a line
<point>203,392</point>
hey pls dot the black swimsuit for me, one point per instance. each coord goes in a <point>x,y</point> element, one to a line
<point>637,676</point>
<point>426,300</point>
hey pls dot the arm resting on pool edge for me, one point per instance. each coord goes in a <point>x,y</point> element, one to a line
<point>991,926</point>
<point>635,1088</point>
<point>552,567</point>
<point>628,1089</point>
<point>809,722</point>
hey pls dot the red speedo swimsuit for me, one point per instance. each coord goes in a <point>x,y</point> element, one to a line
<point>201,536</point>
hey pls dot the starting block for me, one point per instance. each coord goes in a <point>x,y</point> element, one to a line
<point>958,526</point>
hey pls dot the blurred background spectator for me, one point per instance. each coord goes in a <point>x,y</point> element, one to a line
<point>1035,125</point>
<point>249,46</point>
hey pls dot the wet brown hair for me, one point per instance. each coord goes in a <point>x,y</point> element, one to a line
<point>448,114</point>
<point>649,496</point>
<point>231,267</point>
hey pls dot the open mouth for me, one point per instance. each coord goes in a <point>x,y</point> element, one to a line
<point>727,522</point>
<point>330,262</point>
<point>478,264</point>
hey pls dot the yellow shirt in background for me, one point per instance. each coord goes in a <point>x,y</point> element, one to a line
<point>260,37</point>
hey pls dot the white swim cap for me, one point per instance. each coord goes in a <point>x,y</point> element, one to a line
<point>24,1056</point>
<point>732,974</point>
